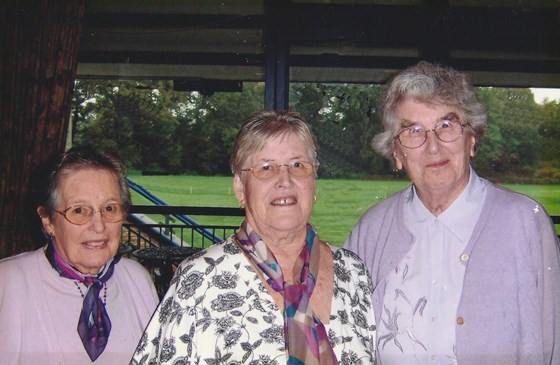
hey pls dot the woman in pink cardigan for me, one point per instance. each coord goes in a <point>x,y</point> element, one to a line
<point>76,301</point>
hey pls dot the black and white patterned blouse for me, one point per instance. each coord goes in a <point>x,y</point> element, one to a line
<point>217,311</point>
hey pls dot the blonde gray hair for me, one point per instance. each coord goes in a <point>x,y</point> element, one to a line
<point>262,127</point>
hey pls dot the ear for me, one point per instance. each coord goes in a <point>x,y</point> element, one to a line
<point>239,188</point>
<point>472,152</point>
<point>47,224</point>
<point>398,161</point>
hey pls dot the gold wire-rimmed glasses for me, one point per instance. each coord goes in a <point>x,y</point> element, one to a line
<point>267,170</point>
<point>448,129</point>
<point>81,214</point>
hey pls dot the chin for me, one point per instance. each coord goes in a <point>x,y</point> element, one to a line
<point>290,225</point>
<point>98,261</point>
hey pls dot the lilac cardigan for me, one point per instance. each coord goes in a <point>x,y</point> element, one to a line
<point>39,312</point>
<point>510,301</point>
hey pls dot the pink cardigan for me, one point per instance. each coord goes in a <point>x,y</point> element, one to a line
<point>39,312</point>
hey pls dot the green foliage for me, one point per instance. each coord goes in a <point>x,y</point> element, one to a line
<point>344,118</point>
<point>549,131</point>
<point>160,130</point>
<point>523,137</point>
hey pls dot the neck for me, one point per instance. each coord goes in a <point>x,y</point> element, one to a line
<point>286,252</point>
<point>436,201</point>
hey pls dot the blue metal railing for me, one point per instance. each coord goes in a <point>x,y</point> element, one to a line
<point>181,217</point>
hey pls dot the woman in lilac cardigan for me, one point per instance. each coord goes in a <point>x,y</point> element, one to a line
<point>76,301</point>
<point>464,272</point>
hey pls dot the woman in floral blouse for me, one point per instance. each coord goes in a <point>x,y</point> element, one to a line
<point>273,293</point>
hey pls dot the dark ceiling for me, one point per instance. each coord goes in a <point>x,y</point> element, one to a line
<point>500,43</point>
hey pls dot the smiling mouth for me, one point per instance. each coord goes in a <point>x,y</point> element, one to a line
<point>438,164</point>
<point>284,202</point>
<point>95,244</point>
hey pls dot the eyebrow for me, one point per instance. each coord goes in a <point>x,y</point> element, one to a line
<point>272,160</point>
<point>449,116</point>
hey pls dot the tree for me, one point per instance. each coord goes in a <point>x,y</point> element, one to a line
<point>135,119</point>
<point>155,128</point>
<point>344,117</point>
<point>512,142</point>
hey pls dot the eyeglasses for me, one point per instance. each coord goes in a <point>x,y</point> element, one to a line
<point>449,129</point>
<point>81,214</point>
<point>267,170</point>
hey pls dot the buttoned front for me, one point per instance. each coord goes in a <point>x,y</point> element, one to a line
<point>499,250</point>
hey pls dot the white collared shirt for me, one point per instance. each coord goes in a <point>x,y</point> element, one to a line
<point>423,292</point>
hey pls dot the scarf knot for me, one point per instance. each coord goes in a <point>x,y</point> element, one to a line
<point>94,325</point>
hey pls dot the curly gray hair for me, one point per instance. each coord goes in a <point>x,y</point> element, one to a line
<point>432,83</point>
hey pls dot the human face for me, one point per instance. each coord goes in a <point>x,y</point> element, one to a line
<point>437,169</point>
<point>281,206</point>
<point>89,246</point>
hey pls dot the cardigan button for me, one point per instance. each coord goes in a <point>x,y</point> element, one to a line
<point>465,257</point>
<point>460,321</point>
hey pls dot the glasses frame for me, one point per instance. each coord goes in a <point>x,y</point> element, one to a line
<point>462,125</point>
<point>278,166</point>
<point>65,211</point>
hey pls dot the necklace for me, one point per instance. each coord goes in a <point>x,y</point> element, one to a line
<point>77,283</point>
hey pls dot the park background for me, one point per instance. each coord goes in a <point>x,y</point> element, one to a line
<point>177,144</point>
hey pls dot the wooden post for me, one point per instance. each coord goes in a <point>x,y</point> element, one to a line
<point>38,61</point>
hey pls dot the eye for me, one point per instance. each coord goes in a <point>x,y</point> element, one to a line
<point>266,167</point>
<point>111,208</point>
<point>80,210</point>
<point>298,165</point>
<point>415,130</point>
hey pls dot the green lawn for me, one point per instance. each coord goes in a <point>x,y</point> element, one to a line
<point>339,202</point>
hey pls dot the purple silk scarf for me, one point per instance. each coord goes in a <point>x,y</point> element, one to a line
<point>94,325</point>
<point>306,338</point>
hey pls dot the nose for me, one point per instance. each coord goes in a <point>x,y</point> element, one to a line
<point>433,141</point>
<point>284,176</point>
<point>97,222</point>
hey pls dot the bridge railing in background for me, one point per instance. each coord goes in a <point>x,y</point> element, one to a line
<point>160,247</point>
<point>144,227</point>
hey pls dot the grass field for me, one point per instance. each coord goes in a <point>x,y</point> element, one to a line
<point>339,205</point>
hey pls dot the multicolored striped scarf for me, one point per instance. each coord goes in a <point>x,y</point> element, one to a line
<point>94,325</point>
<point>306,338</point>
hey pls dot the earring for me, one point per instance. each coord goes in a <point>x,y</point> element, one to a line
<point>242,205</point>
<point>314,198</point>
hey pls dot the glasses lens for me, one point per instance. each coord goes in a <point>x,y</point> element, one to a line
<point>112,213</point>
<point>446,131</point>
<point>449,131</point>
<point>412,137</point>
<point>265,171</point>
<point>79,214</point>
<point>301,168</point>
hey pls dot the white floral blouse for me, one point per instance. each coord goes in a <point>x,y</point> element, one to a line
<point>217,311</point>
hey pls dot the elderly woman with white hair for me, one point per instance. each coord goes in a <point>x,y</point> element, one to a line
<point>464,271</point>
<point>76,300</point>
<point>273,293</point>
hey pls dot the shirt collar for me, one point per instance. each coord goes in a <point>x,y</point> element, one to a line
<point>460,217</point>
